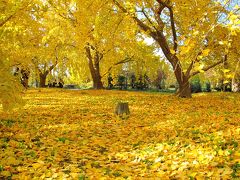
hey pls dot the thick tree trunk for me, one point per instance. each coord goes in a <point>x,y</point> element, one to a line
<point>42,78</point>
<point>96,77</point>
<point>94,66</point>
<point>97,83</point>
<point>184,89</point>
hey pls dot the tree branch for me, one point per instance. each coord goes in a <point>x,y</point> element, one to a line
<point>12,15</point>
<point>138,21</point>
<point>157,13</point>
<point>192,64</point>
<point>175,46</point>
<point>210,66</point>
<point>163,5</point>
<point>56,61</point>
<point>124,61</point>
<point>117,63</point>
<point>36,65</point>
<point>90,59</point>
<point>144,13</point>
<point>6,20</point>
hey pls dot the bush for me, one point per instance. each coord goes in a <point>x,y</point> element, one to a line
<point>207,87</point>
<point>196,85</point>
<point>121,81</point>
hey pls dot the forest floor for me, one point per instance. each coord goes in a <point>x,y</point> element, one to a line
<point>66,134</point>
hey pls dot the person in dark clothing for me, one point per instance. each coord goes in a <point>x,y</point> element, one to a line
<point>60,83</point>
<point>54,83</point>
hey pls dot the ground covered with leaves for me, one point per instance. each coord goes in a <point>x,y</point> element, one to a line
<point>69,134</point>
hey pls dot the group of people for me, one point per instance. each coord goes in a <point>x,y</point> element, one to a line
<point>54,83</point>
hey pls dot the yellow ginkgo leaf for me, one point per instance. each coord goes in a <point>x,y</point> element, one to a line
<point>233,17</point>
<point>226,70</point>
<point>199,57</point>
<point>205,52</point>
<point>193,174</point>
<point>225,82</point>
<point>36,165</point>
<point>172,51</point>
<point>13,161</point>
<point>221,42</point>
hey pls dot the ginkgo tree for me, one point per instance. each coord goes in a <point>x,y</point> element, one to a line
<point>183,40</point>
<point>51,43</point>
<point>104,39</point>
<point>13,21</point>
<point>228,72</point>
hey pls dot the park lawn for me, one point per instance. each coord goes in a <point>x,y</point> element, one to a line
<point>74,134</point>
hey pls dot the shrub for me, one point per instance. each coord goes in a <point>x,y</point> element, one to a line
<point>196,85</point>
<point>207,87</point>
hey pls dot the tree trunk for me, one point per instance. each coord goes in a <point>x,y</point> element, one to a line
<point>43,78</point>
<point>184,89</point>
<point>235,84</point>
<point>96,77</point>
<point>97,83</point>
<point>24,77</point>
<point>93,63</point>
<point>25,83</point>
